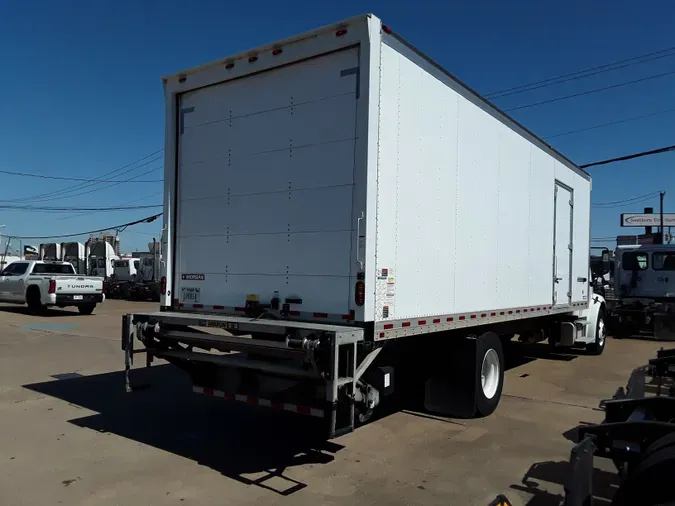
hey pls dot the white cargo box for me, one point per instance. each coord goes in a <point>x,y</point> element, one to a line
<point>344,156</point>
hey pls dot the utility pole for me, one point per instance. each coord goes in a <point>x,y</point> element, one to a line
<point>661,195</point>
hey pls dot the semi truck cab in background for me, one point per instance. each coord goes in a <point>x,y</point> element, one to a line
<point>383,231</point>
<point>644,283</point>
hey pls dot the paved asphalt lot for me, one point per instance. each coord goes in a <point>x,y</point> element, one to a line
<point>70,435</point>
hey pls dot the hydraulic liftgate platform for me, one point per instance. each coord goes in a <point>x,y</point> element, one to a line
<point>330,359</point>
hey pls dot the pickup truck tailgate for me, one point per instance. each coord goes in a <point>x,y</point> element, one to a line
<point>265,184</point>
<point>78,285</point>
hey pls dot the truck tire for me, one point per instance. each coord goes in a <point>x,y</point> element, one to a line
<point>34,300</point>
<point>86,309</point>
<point>489,375</point>
<point>597,347</point>
<point>645,483</point>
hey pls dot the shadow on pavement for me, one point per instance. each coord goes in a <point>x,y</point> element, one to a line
<point>20,309</point>
<point>517,354</point>
<point>231,438</point>
<point>542,474</point>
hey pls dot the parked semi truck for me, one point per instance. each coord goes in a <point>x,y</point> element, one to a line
<point>101,257</point>
<point>383,228</point>
<point>644,284</point>
<point>74,253</point>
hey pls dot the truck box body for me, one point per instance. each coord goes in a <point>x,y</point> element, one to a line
<point>304,168</point>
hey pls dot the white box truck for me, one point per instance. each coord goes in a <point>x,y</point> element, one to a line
<point>361,224</point>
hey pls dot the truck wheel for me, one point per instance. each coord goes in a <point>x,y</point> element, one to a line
<point>644,485</point>
<point>598,346</point>
<point>86,309</point>
<point>489,373</point>
<point>34,302</point>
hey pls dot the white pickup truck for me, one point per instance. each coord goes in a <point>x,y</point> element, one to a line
<point>41,284</point>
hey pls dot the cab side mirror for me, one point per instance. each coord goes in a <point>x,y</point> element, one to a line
<point>605,261</point>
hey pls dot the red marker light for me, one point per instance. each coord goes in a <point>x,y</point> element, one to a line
<point>360,293</point>
<point>182,79</point>
<point>253,59</point>
<point>340,33</point>
<point>229,66</point>
<point>277,51</point>
<point>386,29</point>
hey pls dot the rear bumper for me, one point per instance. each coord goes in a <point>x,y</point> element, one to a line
<point>70,299</point>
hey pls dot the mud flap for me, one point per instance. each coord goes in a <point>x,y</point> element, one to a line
<point>451,388</point>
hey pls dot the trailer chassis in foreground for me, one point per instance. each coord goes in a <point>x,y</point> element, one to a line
<point>638,435</point>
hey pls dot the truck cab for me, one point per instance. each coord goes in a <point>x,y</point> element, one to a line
<point>644,282</point>
<point>645,272</point>
<point>126,269</point>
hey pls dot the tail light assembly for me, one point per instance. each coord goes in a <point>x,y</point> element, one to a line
<point>162,285</point>
<point>360,293</point>
<point>52,286</point>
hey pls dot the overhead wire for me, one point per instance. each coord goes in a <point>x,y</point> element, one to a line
<point>581,74</point>
<point>126,202</point>
<point>80,186</point>
<point>63,178</point>
<point>148,219</point>
<point>610,123</point>
<point>625,201</point>
<point>73,209</point>
<point>589,92</point>
<point>629,157</point>
<point>131,179</point>
<point>626,204</point>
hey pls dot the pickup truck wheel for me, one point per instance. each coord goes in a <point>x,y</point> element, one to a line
<point>86,309</point>
<point>33,300</point>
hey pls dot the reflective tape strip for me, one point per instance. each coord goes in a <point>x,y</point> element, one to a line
<point>257,401</point>
<point>396,328</point>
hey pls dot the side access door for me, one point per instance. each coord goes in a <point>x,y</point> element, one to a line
<point>562,244</point>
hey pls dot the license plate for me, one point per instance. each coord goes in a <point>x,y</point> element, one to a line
<point>77,297</point>
<point>191,295</point>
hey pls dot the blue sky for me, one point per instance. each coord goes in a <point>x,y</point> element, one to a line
<point>82,91</point>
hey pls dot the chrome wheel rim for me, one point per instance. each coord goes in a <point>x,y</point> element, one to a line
<point>489,373</point>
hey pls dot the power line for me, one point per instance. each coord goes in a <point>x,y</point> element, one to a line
<point>70,194</point>
<point>629,157</point>
<point>617,122</point>
<point>114,173</point>
<point>589,92</point>
<point>121,203</point>
<point>580,74</point>
<point>42,176</point>
<point>628,203</point>
<point>73,195</point>
<point>647,195</point>
<point>72,209</point>
<point>148,219</point>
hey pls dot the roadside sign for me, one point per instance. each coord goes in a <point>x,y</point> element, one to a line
<point>647,220</point>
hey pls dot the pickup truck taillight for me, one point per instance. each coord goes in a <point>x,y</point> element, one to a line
<point>162,285</point>
<point>52,286</point>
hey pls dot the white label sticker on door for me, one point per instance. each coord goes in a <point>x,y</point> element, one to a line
<point>190,295</point>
